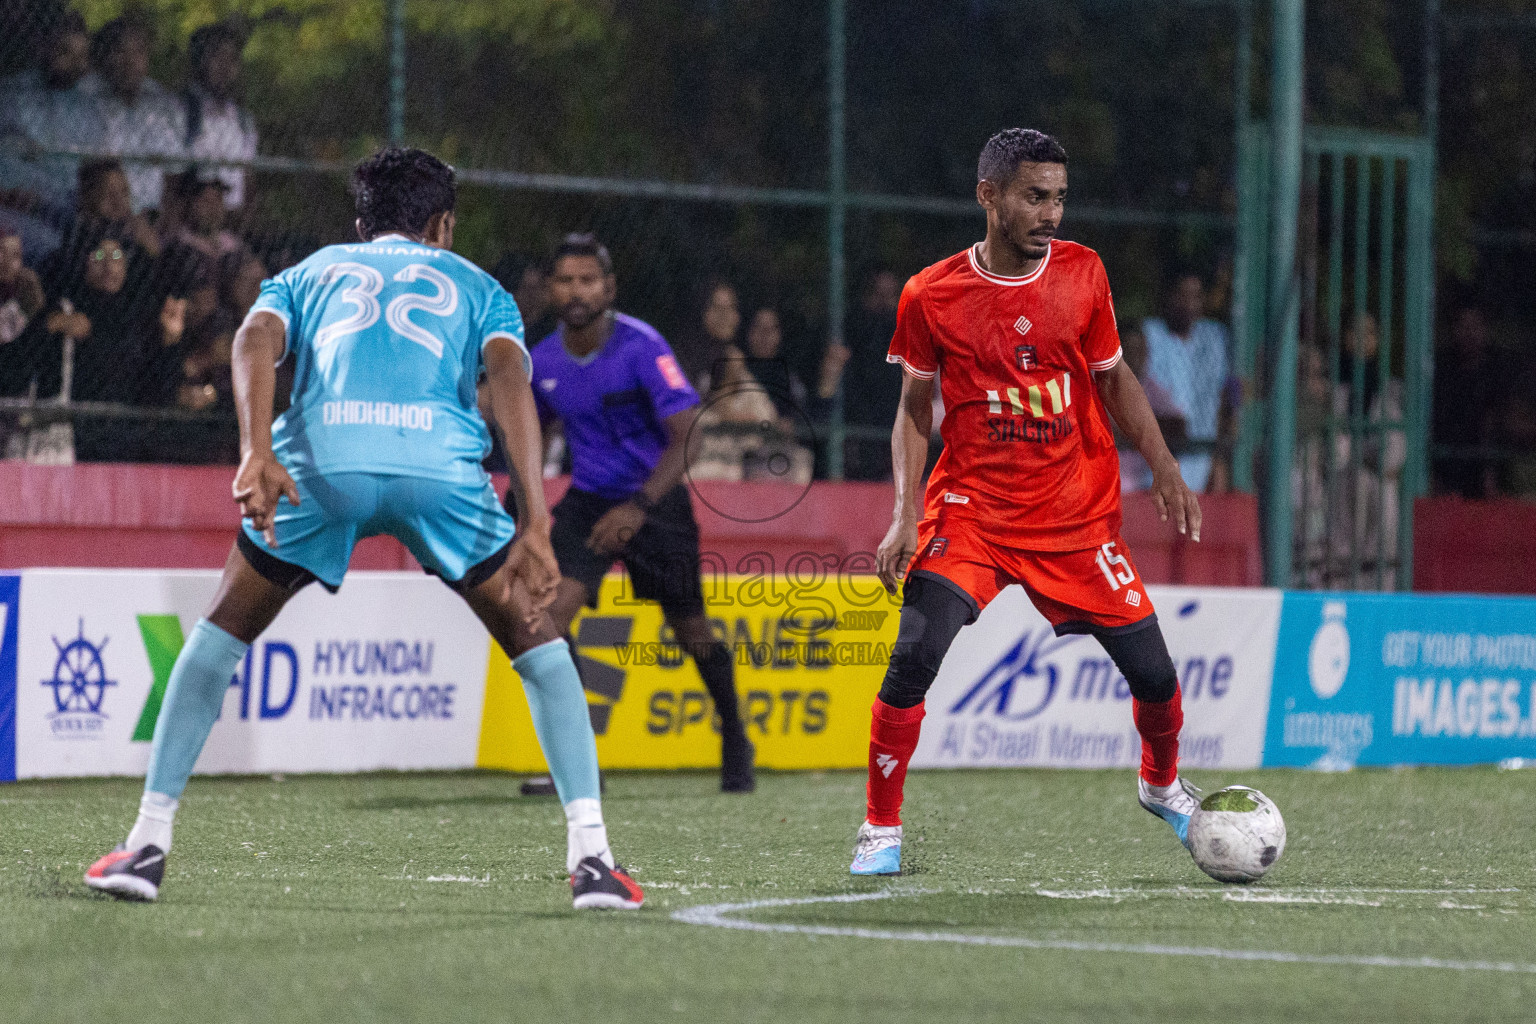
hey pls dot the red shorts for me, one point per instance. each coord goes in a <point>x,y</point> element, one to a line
<point>1097,589</point>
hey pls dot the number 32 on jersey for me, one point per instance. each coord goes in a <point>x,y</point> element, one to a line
<point>363,296</point>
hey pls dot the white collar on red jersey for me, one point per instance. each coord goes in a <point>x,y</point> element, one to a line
<point>1011,282</point>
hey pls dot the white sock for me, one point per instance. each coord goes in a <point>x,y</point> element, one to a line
<point>156,813</point>
<point>586,835</point>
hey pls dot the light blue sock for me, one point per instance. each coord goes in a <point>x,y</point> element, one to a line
<point>193,696</point>
<point>560,718</point>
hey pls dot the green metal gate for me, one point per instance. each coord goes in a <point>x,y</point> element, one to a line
<point>1359,420</point>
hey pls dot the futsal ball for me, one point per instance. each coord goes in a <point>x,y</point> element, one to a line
<point>1236,834</point>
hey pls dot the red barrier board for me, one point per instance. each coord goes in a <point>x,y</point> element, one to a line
<point>154,516</point>
<point>1478,547</point>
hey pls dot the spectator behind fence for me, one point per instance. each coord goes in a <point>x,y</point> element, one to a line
<point>240,277</point>
<point>105,203</point>
<point>21,292</point>
<point>736,416</point>
<point>766,363</point>
<point>195,374</point>
<point>200,193</point>
<point>778,455</point>
<point>528,284</point>
<point>119,340</point>
<point>1319,530</point>
<point>1187,357</point>
<point>1135,474</point>
<point>218,127</point>
<point>1470,396</point>
<point>714,339</point>
<point>141,117</point>
<point>43,111</point>
<point>1373,499</point>
<point>871,385</point>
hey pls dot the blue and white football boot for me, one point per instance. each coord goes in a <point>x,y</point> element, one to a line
<point>877,851</point>
<point>1174,804</point>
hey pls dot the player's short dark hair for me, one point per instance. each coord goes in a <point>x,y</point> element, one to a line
<point>1001,156</point>
<point>401,189</point>
<point>584,243</point>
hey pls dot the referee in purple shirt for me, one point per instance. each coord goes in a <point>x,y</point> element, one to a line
<point>627,410</point>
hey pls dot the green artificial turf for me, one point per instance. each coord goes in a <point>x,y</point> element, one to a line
<point>442,898</point>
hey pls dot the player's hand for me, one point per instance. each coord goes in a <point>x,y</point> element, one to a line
<point>532,567</point>
<point>259,484</point>
<point>1171,496</point>
<point>612,533</point>
<point>173,321</point>
<point>896,552</point>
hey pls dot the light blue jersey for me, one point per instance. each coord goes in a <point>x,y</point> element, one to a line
<point>384,434</point>
<point>386,338</point>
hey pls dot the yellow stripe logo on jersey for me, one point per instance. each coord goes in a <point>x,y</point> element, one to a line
<point>1058,390</point>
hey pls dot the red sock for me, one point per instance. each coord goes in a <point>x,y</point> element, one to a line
<point>1159,725</point>
<point>892,738</point>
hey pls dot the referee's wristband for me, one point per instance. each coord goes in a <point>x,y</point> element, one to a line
<point>642,501</point>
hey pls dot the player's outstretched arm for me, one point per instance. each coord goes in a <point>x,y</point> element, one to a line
<point>1127,403</point>
<point>261,479</point>
<point>533,559</point>
<point>909,454</point>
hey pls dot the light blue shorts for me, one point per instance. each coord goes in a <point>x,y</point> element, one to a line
<point>450,528</point>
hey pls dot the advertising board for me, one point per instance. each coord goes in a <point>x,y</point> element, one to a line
<point>389,673</point>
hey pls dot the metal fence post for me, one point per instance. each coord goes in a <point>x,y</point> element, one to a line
<point>837,206</point>
<point>1419,379</point>
<point>1284,303</point>
<point>1244,252</point>
<point>396,72</point>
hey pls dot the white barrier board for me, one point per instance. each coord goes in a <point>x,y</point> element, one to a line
<point>1012,693</point>
<point>388,673</point>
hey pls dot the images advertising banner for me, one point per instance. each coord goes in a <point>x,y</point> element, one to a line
<point>1011,693</point>
<point>1400,679</point>
<point>388,673</point>
<point>809,659</point>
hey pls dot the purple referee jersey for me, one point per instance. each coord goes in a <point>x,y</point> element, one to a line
<point>612,403</point>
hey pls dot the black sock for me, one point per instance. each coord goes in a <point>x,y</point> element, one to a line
<point>719,676</point>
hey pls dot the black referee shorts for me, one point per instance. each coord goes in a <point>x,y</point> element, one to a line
<point>662,559</point>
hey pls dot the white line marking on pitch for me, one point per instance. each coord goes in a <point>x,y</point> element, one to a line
<point>714,915</point>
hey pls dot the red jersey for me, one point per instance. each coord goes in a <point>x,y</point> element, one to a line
<point>1029,456</point>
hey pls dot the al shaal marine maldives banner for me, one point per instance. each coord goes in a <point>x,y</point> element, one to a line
<point>1012,693</point>
<point>389,673</point>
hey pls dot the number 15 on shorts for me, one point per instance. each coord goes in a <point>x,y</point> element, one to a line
<point>1116,568</point>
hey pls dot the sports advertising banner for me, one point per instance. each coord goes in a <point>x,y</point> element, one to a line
<point>1012,693</point>
<point>395,672</point>
<point>1399,679</point>
<point>809,659</point>
<point>389,673</point>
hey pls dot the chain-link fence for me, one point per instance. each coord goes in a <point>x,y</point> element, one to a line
<point>159,158</point>
<point>156,159</point>
<point>1485,379</point>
